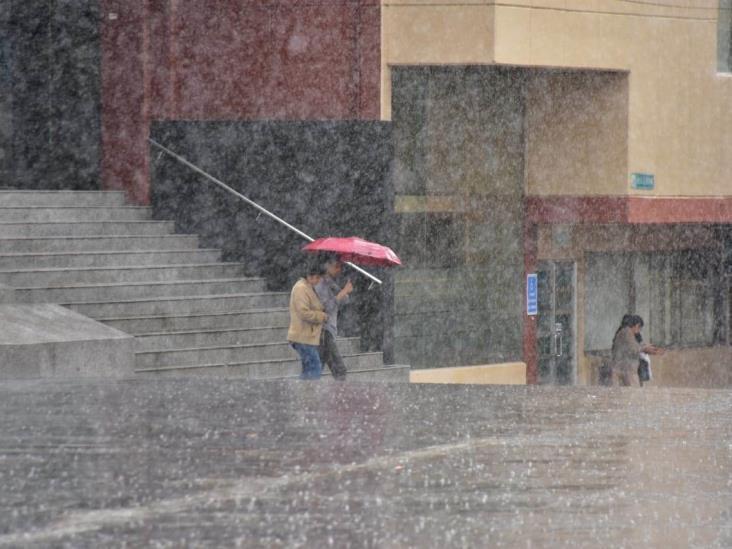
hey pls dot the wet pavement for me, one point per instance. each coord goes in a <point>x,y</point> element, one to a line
<point>228,463</point>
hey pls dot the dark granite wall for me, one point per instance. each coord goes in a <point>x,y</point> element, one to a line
<point>6,97</point>
<point>50,133</point>
<point>325,178</point>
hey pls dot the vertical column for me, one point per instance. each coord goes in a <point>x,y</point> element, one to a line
<point>720,285</point>
<point>125,119</point>
<point>369,60</point>
<point>50,57</point>
<point>530,237</point>
<point>6,96</point>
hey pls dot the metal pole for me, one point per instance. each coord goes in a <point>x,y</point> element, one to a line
<point>251,203</point>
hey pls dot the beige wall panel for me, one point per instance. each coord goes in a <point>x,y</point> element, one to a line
<point>670,8</point>
<point>549,4</point>
<point>706,367</point>
<point>675,130</point>
<point>678,109</point>
<point>597,40</point>
<point>669,129</point>
<point>576,132</point>
<point>428,34</point>
<point>643,110</point>
<point>704,122</point>
<point>512,36</point>
<point>548,38</point>
<point>724,90</point>
<point>560,38</point>
<point>509,373</point>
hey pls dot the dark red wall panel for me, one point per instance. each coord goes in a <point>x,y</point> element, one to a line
<point>221,52</point>
<point>231,60</point>
<point>369,68</point>
<point>124,112</point>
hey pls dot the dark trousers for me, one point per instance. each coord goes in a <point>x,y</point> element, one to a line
<point>330,355</point>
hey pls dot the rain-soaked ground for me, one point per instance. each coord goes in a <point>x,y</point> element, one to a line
<point>221,463</point>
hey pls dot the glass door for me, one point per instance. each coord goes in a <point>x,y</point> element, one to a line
<point>556,333</point>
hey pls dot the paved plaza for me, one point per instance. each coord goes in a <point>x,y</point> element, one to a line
<point>227,463</point>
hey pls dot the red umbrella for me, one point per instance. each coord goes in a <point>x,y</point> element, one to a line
<point>356,250</point>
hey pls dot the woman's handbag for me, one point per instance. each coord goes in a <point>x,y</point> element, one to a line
<point>644,368</point>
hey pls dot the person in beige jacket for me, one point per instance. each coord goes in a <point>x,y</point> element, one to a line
<point>626,352</point>
<point>307,317</point>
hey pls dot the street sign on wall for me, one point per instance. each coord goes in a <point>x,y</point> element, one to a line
<point>532,294</point>
<point>643,181</point>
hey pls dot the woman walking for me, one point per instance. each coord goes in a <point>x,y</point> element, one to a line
<point>307,317</point>
<point>626,351</point>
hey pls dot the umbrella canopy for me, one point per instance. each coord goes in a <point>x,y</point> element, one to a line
<point>356,250</point>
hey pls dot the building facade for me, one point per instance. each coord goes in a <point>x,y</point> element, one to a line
<point>618,141</point>
<point>586,143</point>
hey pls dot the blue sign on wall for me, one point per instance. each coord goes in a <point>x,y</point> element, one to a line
<point>532,294</point>
<point>643,181</point>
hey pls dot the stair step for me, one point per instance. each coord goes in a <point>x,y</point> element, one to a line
<point>262,369</point>
<point>227,354</point>
<point>107,259</point>
<point>138,290</point>
<point>100,275</point>
<point>180,305</point>
<point>392,373</point>
<point>191,313</point>
<point>210,338</point>
<point>201,321</point>
<point>35,214</point>
<point>378,372</point>
<point>36,198</point>
<point>97,244</point>
<point>86,228</point>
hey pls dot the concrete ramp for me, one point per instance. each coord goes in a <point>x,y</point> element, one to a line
<point>47,341</point>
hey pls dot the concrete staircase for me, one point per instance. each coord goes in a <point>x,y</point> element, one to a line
<point>189,312</point>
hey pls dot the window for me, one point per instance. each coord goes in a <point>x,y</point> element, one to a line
<point>724,36</point>
<point>607,298</point>
<point>673,292</point>
<point>682,298</point>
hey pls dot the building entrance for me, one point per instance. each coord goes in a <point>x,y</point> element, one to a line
<point>556,337</point>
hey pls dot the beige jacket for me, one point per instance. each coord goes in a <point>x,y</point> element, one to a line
<point>306,314</point>
<point>626,351</point>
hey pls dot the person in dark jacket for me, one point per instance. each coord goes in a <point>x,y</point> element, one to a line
<point>332,296</point>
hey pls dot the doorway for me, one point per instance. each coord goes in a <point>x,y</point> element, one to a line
<point>556,334</point>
